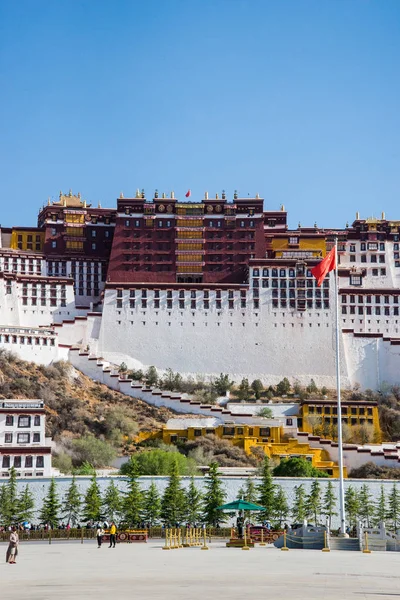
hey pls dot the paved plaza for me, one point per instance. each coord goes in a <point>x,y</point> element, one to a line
<point>73,571</point>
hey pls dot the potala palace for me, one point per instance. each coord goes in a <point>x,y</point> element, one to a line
<point>202,287</point>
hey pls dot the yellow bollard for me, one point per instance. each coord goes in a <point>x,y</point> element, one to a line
<point>204,546</point>
<point>366,549</point>
<point>197,534</point>
<point>284,547</point>
<point>325,548</point>
<point>166,547</point>
<point>180,545</point>
<point>262,543</point>
<point>245,547</point>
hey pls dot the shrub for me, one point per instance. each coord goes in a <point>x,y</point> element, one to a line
<point>93,450</point>
<point>297,467</point>
<point>160,461</point>
<point>222,384</point>
<point>265,412</point>
<point>283,387</point>
<point>63,462</point>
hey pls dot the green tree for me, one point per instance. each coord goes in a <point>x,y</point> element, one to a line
<point>283,387</point>
<point>158,461</point>
<point>329,503</point>
<point>151,505</point>
<point>244,389</point>
<point>281,505</point>
<point>313,502</point>
<point>265,413</point>
<point>51,506</point>
<point>394,507</point>
<point>299,504</point>
<point>11,508</point>
<point>132,504</point>
<point>214,496</point>
<point>71,507</point>
<point>194,503</point>
<point>172,381</point>
<point>257,388</point>
<point>26,505</point>
<point>351,505</point>
<point>222,384</point>
<point>85,469</point>
<point>93,450</point>
<point>136,375</point>
<point>3,504</point>
<point>92,502</point>
<point>112,503</point>
<point>173,504</point>
<point>122,368</point>
<point>312,388</point>
<point>297,467</point>
<point>380,511</point>
<point>250,492</point>
<point>151,376</point>
<point>266,491</point>
<point>366,505</point>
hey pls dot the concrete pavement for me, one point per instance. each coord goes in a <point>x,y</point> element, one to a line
<point>74,571</point>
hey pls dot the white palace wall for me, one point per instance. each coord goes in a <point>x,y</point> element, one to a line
<point>265,343</point>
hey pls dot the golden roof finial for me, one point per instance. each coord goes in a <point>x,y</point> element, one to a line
<point>99,205</point>
<point>172,195</point>
<point>206,196</point>
<point>383,216</point>
<point>121,195</point>
<point>357,216</point>
<point>84,204</point>
<point>48,201</point>
<point>257,196</point>
<point>282,207</point>
<point>137,193</point>
<point>216,197</point>
<point>70,193</point>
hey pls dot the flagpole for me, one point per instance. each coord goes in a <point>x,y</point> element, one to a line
<point>342,514</point>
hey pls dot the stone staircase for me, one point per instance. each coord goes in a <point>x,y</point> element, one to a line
<point>347,544</point>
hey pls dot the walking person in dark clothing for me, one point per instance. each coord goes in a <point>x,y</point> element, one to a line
<point>113,533</point>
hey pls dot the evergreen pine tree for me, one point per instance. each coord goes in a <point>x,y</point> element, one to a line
<point>132,504</point>
<point>329,503</point>
<point>3,504</point>
<point>380,511</point>
<point>72,504</point>
<point>151,505</point>
<point>313,501</point>
<point>250,491</point>
<point>173,504</point>
<point>26,505</point>
<point>266,492</point>
<point>299,508</point>
<point>214,496</point>
<point>394,507</point>
<point>351,505</point>
<point>281,505</point>
<point>112,502</point>
<point>241,493</point>
<point>366,505</point>
<point>92,502</point>
<point>194,503</point>
<point>51,506</point>
<point>11,499</point>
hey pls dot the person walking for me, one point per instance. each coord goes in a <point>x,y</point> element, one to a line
<point>113,532</point>
<point>12,550</point>
<point>99,535</point>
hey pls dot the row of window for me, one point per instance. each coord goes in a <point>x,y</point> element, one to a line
<point>22,438</point>
<point>369,299</point>
<point>29,340</point>
<point>188,223</point>
<point>300,303</point>
<point>374,246</point>
<point>23,420</point>
<point>274,272</point>
<point>351,310</point>
<point>17,463</point>
<point>327,410</point>
<point>44,302</point>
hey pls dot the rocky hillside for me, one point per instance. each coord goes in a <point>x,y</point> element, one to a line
<point>76,405</point>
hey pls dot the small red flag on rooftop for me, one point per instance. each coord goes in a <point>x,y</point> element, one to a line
<point>188,194</point>
<point>321,270</point>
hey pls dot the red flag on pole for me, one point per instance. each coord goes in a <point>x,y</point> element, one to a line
<point>321,270</point>
<point>188,194</point>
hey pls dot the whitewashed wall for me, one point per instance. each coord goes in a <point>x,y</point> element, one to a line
<point>231,486</point>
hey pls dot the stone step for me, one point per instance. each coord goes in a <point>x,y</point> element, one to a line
<point>349,544</point>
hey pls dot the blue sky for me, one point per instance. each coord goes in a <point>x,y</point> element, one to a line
<point>295,99</point>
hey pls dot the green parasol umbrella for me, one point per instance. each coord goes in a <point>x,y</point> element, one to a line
<point>241,505</point>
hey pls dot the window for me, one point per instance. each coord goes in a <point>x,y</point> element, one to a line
<point>93,246</point>
<point>36,438</point>
<point>24,421</point>
<point>6,462</point>
<point>9,420</point>
<point>54,244</point>
<point>373,258</point>
<point>8,438</point>
<point>40,462</point>
<point>17,462</point>
<point>352,248</point>
<point>265,431</point>
<point>93,233</point>
<point>28,462</point>
<point>355,280</point>
<point>363,258</point>
<point>23,438</point>
<point>293,240</point>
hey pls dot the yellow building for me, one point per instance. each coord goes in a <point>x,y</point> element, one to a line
<point>29,239</point>
<point>304,243</point>
<point>319,417</point>
<point>270,439</point>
